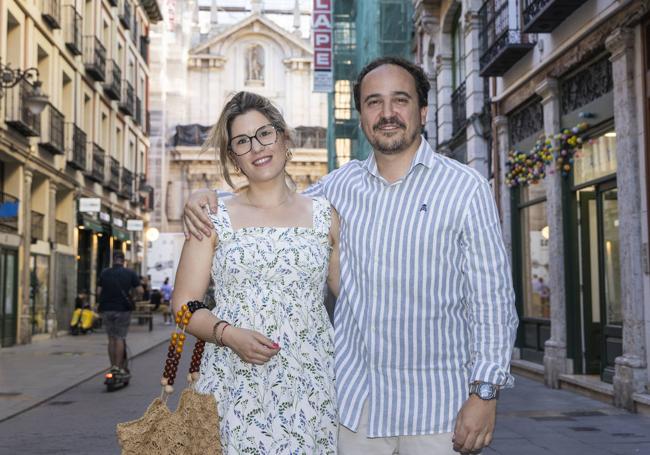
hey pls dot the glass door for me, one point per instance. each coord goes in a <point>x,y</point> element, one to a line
<point>600,278</point>
<point>8,296</point>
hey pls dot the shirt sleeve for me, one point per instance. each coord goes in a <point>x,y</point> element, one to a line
<point>489,292</point>
<point>135,280</point>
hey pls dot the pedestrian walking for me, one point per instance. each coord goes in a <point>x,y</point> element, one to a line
<point>166,290</point>
<point>425,321</point>
<point>114,288</point>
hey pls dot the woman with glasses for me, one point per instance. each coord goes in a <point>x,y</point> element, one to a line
<point>270,366</point>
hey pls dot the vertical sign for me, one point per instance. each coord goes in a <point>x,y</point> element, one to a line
<point>323,58</point>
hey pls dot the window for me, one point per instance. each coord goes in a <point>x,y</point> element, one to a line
<point>458,50</point>
<point>342,100</point>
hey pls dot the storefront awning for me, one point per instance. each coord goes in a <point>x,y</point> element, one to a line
<point>120,234</point>
<point>89,223</point>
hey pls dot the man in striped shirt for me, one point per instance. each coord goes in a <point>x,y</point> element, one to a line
<point>425,320</point>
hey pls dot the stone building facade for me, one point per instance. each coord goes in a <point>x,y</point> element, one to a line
<point>564,72</point>
<point>90,141</point>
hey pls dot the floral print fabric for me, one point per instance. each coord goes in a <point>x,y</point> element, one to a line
<point>273,280</point>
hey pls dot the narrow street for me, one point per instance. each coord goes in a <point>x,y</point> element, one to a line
<point>532,419</point>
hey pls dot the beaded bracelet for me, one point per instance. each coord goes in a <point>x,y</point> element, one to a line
<point>194,305</point>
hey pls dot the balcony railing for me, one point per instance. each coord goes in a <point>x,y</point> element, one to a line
<point>73,30</point>
<point>38,226</point>
<point>113,182</point>
<point>98,157</point>
<point>502,45</point>
<point>138,111</point>
<point>75,146</point>
<point>9,219</point>
<point>542,16</point>
<point>17,115</point>
<point>125,14</point>
<point>52,134</point>
<point>113,85</point>
<point>144,48</point>
<point>95,57</point>
<point>51,12</point>
<point>61,234</point>
<point>458,108</point>
<point>146,202</point>
<point>127,99</point>
<point>127,184</point>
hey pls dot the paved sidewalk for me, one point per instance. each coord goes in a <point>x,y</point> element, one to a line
<point>33,373</point>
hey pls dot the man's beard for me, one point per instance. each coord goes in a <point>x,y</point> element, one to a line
<point>391,146</point>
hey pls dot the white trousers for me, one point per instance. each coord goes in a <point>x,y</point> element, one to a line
<point>356,443</point>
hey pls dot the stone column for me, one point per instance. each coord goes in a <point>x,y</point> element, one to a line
<point>24,334</point>
<point>631,367</point>
<point>51,236</point>
<point>555,349</point>
<point>501,128</point>
<point>477,146</point>
<point>445,90</point>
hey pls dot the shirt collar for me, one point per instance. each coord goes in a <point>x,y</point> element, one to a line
<point>424,156</point>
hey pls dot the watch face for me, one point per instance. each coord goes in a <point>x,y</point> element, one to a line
<point>485,391</point>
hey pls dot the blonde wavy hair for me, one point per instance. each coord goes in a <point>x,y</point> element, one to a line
<point>219,136</point>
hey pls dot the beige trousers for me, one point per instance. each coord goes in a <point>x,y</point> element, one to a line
<point>356,443</point>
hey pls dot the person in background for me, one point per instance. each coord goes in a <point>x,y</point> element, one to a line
<point>115,288</point>
<point>166,290</point>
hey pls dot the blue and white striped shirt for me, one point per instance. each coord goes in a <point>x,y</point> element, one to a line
<point>426,303</point>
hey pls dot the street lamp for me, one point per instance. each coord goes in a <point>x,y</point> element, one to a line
<point>10,77</point>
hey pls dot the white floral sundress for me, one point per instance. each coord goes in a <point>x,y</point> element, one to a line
<point>273,280</point>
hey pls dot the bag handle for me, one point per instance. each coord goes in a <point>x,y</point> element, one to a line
<point>176,344</point>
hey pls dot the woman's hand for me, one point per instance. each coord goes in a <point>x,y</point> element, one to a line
<point>195,218</point>
<point>250,346</point>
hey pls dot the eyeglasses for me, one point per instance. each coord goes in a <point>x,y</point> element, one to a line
<point>265,135</point>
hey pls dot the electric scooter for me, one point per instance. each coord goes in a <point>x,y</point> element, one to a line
<point>115,380</point>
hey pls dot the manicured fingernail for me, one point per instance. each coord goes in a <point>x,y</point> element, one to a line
<point>276,346</point>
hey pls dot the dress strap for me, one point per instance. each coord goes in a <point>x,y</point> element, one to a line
<point>221,220</point>
<point>322,214</point>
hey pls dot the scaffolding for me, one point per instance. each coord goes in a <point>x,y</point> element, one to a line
<point>363,30</point>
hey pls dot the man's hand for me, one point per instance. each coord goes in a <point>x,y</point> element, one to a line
<point>474,425</point>
<point>195,218</point>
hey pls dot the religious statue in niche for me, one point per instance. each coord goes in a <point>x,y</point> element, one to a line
<point>255,63</point>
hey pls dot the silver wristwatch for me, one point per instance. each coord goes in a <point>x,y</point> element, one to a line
<point>484,390</point>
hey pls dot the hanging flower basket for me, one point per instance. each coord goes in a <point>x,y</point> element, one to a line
<point>569,142</point>
<point>525,168</point>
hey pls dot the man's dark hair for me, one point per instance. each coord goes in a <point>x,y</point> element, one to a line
<point>118,255</point>
<point>422,85</point>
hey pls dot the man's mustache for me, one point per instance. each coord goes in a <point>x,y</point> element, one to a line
<point>388,121</point>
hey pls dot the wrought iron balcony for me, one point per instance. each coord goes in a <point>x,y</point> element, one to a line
<point>502,45</point>
<point>113,85</point>
<point>61,234</point>
<point>17,114</point>
<point>542,16</point>
<point>126,184</point>
<point>95,57</point>
<point>98,157</point>
<point>146,200</point>
<point>75,146</point>
<point>10,205</point>
<point>51,12</point>
<point>125,14</point>
<point>73,30</point>
<point>127,99</point>
<point>144,48</point>
<point>459,108</point>
<point>113,182</point>
<point>138,111</point>
<point>52,134</point>
<point>38,226</point>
